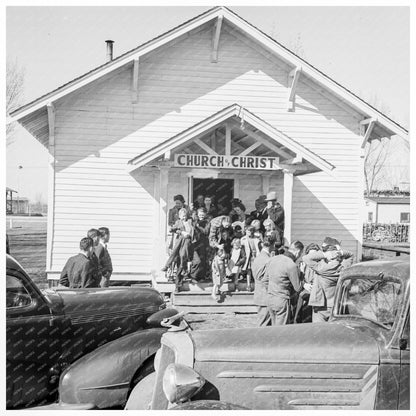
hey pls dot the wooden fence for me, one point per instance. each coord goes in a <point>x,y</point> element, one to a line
<point>386,233</point>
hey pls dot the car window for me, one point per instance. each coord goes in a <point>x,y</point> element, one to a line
<point>371,298</point>
<point>16,294</point>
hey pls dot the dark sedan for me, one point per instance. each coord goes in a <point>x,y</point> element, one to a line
<point>48,330</point>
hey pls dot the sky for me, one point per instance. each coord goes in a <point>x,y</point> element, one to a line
<point>366,49</point>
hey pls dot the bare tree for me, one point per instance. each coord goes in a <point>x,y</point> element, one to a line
<point>374,163</point>
<point>14,91</point>
<point>381,170</point>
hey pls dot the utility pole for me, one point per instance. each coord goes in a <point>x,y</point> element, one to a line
<point>18,188</point>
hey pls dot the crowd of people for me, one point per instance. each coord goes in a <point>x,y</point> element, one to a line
<point>299,284</point>
<point>224,244</point>
<point>219,242</point>
<point>92,266</point>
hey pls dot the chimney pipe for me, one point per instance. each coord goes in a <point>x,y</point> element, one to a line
<point>109,50</point>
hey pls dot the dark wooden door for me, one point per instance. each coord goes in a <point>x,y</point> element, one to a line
<point>222,190</point>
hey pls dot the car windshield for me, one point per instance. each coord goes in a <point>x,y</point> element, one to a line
<point>375,299</point>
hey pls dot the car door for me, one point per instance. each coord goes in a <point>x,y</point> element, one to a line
<point>32,341</point>
<point>404,392</point>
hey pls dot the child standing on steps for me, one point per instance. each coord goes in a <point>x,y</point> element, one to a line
<point>237,259</point>
<point>251,244</point>
<point>219,267</point>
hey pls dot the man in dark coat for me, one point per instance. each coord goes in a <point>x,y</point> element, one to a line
<point>260,213</point>
<point>276,213</point>
<point>77,272</point>
<point>94,234</point>
<point>105,266</point>
<point>283,276</point>
<point>258,269</point>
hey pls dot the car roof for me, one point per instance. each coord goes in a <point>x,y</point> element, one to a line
<point>395,268</point>
<point>12,263</point>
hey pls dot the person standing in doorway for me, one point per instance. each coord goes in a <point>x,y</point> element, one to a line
<point>210,207</point>
<point>283,276</point>
<point>261,283</point>
<point>78,271</point>
<point>198,203</point>
<point>276,213</point>
<point>105,265</point>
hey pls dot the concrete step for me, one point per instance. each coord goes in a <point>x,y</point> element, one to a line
<point>217,308</point>
<point>202,302</point>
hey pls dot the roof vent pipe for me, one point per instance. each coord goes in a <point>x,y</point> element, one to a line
<point>109,50</point>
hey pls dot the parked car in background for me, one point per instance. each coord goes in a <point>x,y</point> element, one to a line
<point>48,330</point>
<point>357,360</point>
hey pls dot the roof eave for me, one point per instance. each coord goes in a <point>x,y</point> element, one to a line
<point>108,67</point>
<point>219,117</point>
<point>355,102</point>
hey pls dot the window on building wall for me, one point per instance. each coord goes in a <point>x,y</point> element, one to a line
<point>370,217</point>
<point>405,217</point>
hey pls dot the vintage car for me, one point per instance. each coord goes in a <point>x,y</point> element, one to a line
<point>357,360</point>
<point>115,331</point>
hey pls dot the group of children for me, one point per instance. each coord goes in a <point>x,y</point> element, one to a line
<point>235,266</point>
<point>240,236</point>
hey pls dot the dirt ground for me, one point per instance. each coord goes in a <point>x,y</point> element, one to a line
<point>27,239</point>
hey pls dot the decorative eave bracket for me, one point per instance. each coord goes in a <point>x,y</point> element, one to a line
<point>293,78</point>
<point>366,132</point>
<point>216,39</point>
<point>51,123</point>
<point>135,81</point>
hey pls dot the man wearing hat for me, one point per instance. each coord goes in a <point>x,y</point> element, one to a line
<point>276,213</point>
<point>260,213</point>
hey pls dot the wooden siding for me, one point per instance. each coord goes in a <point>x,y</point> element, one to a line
<point>98,129</point>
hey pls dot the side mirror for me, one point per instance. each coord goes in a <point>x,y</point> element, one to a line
<point>403,343</point>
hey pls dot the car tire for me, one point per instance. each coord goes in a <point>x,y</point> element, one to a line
<point>141,396</point>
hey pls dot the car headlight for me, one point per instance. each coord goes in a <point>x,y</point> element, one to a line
<point>180,383</point>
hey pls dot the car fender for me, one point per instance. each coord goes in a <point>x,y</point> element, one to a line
<point>103,377</point>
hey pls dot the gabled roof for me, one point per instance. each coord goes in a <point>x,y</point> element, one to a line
<point>244,116</point>
<point>251,31</point>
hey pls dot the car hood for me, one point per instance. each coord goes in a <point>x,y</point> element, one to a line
<point>80,302</point>
<point>328,342</point>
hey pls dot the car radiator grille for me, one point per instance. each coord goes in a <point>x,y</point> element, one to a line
<point>159,401</point>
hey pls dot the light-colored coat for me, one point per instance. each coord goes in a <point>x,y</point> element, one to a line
<point>250,255</point>
<point>258,269</point>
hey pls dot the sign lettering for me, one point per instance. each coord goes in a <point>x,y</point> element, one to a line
<point>229,162</point>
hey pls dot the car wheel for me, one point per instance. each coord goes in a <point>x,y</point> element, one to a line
<point>141,396</point>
